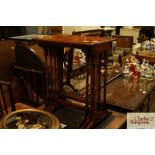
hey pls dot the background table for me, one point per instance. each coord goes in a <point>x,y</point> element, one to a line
<point>126,95</point>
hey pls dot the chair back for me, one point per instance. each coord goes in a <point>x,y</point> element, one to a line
<point>6,98</point>
<point>30,71</point>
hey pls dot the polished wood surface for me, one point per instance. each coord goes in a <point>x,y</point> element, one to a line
<point>124,41</point>
<point>126,95</point>
<point>70,40</point>
<point>64,38</point>
<point>7,59</point>
<point>93,47</point>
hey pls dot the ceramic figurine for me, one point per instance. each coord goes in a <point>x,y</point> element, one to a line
<point>79,56</point>
<point>126,70</point>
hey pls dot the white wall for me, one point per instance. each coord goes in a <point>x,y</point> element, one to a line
<point>70,29</point>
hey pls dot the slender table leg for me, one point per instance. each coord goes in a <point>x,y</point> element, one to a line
<point>54,57</point>
<point>96,110</point>
<point>69,70</point>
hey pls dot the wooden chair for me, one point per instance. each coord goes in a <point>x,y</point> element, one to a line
<point>32,86</point>
<point>31,77</point>
<point>7,103</point>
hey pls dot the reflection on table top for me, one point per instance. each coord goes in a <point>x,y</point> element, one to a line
<point>65,38</point>
<point>127,93</point>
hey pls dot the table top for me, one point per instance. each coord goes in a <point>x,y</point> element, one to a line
<point>64,39</point>
<point>30,119</point>
<point>128,94</point>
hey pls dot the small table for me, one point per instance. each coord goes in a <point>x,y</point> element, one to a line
<point>94,48</point>
<point>30,119</point>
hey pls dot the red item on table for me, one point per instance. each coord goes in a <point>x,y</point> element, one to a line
<point>132,67</point>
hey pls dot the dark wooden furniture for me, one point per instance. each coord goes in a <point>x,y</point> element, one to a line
<point>7,103</point>
<point>29,119</point>
<point>31,76</point>
<point>124,41</point>
<point>94,47</point>
<point>72,71</point>
<point>81,69</point>
<point>32,86</point>
<point>29,81</point>
<point>31,69</point>
<point>6,86</point>
<point>7,59</point>
<point>126,95</point>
